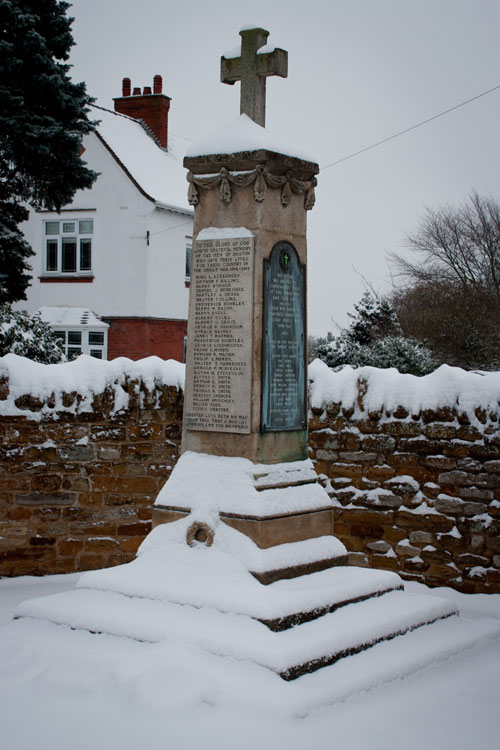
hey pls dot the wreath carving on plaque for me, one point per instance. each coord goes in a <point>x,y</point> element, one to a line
<point>200,533</point>
<point>260,178</point>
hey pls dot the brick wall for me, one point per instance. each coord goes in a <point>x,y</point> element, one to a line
<point>76,489</point>
<point>136,338</point>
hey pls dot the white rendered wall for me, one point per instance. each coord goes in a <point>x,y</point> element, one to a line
<point>167,296</point>
<point>130,278</point>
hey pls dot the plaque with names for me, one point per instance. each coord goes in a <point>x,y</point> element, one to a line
<point>219,353</point>
<point>283,342</point>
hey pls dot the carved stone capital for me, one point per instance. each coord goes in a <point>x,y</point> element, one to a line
<point>260,178</point>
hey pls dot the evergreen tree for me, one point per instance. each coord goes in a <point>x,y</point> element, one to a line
<point>43,116</point>
<point>374,319</point>
<point>28,337</point>
<point>374,338</point>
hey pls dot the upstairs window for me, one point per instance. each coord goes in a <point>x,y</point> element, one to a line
<point>68,246</point>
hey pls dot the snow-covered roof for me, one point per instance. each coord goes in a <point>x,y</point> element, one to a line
<point>71,316</point>
<point>243,134</point>
<point>159,173</point>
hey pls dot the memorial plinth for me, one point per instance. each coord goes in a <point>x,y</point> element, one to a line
<point>246,383</point>
<point>247,330</point>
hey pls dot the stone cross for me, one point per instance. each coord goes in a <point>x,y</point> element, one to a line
<point>251,68</point>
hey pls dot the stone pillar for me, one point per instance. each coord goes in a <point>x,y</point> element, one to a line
<point>266,193</point>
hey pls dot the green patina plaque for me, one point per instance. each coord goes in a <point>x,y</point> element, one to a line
<point>283,342</point>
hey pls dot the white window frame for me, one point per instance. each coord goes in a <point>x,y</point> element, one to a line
<point>72,348</point>
<point>68,229</point>
<point>188,258</point>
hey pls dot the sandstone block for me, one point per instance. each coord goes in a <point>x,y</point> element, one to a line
<point>440,431</point>
<point>379,473</point>
<point>70,546</point>
<point>455,479</point>
<point>484,451</point>
<point>474,493</point>
<point>379,546</point>
<point>108,453</point>
<point>359,559</point>
<point>415,565</point>
<point>421,538</point>
<point>364,531</point>
<point>41,498</point>
<point>407,550</point>
<point>441,463</point>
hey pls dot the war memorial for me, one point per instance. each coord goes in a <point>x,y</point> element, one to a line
<point>242,558</point>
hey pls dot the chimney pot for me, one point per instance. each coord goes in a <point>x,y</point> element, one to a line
<point>126,84</point>
<point>142,105</point>
<point>157,84</point>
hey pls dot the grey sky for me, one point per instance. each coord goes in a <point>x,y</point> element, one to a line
<point>359,71</point>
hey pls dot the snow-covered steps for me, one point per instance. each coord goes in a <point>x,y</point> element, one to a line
<point>212,578</point>
<point>290,653</point>
<point>207,595</point>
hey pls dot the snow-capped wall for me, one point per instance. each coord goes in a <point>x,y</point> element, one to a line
<point>412,465</point>
<point>86,448</point>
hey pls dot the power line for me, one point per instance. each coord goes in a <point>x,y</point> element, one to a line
<point>407,130</point>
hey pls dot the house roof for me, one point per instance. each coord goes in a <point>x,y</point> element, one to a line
<point>157,172</point>
<point>71,316</point>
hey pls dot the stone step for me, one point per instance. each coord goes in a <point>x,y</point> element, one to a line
<point>296,571</point>
<point>284,478</point>
<point>291,653</point>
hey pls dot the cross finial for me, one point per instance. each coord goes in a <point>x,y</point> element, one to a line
<point>251,68</point>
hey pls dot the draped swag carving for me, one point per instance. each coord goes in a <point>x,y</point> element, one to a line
<point>261,180</point>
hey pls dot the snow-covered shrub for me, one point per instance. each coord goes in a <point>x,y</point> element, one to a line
<point>406,355</point>
<point>28,337</point>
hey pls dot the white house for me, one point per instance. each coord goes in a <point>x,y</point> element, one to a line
<point>109,272</point>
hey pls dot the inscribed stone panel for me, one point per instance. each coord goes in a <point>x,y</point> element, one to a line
<point>218,396</point>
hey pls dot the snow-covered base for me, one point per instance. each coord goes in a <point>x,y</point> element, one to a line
<point>82,690</point>
<point>208,485</point>
<point>207,595</point>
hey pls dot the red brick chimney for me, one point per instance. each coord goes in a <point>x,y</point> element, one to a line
<point>152,108</point>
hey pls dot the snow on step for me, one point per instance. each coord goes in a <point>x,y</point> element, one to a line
<point>289,652</point>
<point>204,577</point>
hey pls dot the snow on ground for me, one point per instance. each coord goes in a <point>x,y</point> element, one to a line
<point>61,688</point>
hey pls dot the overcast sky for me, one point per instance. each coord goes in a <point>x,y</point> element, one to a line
<point>358,71</point>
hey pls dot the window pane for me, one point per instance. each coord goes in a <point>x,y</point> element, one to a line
<point>68,254</point>
<point>86,226</point>
<point>60,335</point>
<point>97,353</point>
<point>51,227</point>
<point>68,226</point>
<point>96,338</point>
<point>51,264</point>
<point>74,337</point>
<point>85,255</point>
<point>73,352</point>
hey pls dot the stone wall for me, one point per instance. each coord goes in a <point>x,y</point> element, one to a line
<point>77,481</point>
<point>416,490</point>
